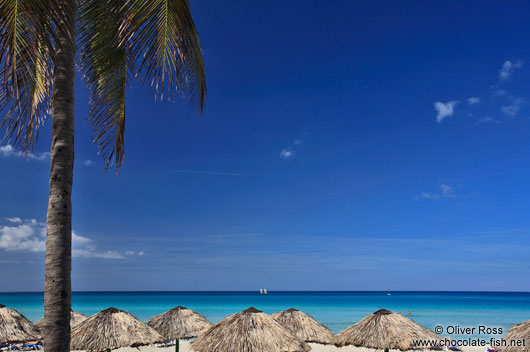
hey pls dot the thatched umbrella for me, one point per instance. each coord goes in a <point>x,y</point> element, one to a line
<point>110,329</point>
<point>304,326</point>
<point>518,333</point>
<point>179,323</point>
<point>385,329</point>
<point>75,319</point>
<point>249,331</point>
<point>14,327</point>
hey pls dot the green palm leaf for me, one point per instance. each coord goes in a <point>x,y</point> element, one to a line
<point>120,40</point>
<point>153,40</point>
<point>104,64</point>
<point>166,44</point>
<point>26,50</point>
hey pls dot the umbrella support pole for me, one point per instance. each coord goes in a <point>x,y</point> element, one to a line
<point>176,345</point>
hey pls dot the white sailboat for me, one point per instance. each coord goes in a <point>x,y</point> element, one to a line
<point>260,291</point>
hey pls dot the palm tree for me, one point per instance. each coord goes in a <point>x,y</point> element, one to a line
<point>154,41</point>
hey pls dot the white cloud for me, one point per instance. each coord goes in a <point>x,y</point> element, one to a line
<point>131,253</point>
<point>446,189</point>
<point>89,163</point>
<point>444,109</point>
<point>487,119</point>
<point>509,105</point>
<point>79,241</point>
<point>286,153</point>
<point>221,173</point>
<point>10,261</point>
<point>87,253</point>
<point>508,68</point>
<point>14,220</point>
<point>513,108</point>
<point>9,151</point>
<point>23,237</point>
<point>30,235</point>
<point>473,100</point>
<point>39,156</point>
<point>427,195</point>
<point>497,92</point>
<point>290,150</point>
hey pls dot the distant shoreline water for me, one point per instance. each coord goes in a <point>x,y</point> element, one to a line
<point>335,309</point>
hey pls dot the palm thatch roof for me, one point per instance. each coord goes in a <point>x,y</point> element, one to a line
<point>14,327</point>
<point>249,331</point>
<point>110,329</point>
<point>519,332</point>
<point>75,319</point>
<point>385,329</point>
<point>304,326</point>
<point>179,323</point>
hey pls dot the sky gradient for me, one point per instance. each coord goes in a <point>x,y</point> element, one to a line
<point>346,145</point>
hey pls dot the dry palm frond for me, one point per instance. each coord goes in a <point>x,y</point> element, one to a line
<point>179,323</point>
<point>304,326</point>
<point>111,329</point>
<point>385,329</point>
<point>75,319</point>
<point>14,327</point>
<point>519,332</point>
<point>249,331</point>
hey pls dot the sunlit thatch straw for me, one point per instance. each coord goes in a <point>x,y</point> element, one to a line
<point>514,338</point>
<point>179,323</point>
<point>14,327</point>
<point>110,329</point>
<point>304,326</point>
<point>249,331</point>
<point>75,319</point>
<point>386,329</point>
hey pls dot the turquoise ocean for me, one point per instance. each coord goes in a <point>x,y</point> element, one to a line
<point>337,310</point>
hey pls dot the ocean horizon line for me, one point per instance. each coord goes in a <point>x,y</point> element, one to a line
<point>272,291</point>
<point>335,309</point>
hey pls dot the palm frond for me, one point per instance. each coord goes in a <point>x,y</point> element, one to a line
<point>165,42</point>
<point>104,64</point>
<point>154,40</point>
<point>26,59</point>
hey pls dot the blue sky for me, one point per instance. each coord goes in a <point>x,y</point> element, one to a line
<point>346,145</point>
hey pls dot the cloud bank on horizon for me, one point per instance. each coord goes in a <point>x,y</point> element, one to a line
<point>29,235</point>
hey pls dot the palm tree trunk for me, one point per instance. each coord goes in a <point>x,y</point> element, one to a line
<point>57,286</point>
